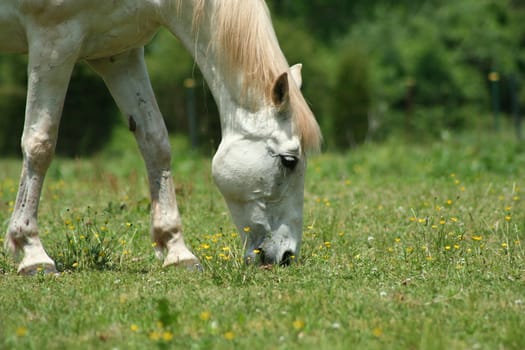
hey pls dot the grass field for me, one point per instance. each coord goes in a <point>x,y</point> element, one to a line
<point>405,247</point>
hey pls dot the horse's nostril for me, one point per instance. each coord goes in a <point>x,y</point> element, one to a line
<point>263,258</point>
<point>287,258</point>
<point>268,259</point>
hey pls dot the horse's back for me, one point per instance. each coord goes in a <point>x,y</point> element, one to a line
<point>102,28</point>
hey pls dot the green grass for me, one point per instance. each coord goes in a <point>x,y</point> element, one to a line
<point>405,247</point>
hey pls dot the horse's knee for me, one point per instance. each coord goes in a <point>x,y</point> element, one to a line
<point>38,148</point>
<point>157,150</point>
<point>164,150</point>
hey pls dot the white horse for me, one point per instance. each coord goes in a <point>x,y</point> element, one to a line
<point>267,127</point>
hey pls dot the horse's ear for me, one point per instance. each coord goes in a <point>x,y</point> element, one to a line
<point>281,91</point>
<point>295,72</point>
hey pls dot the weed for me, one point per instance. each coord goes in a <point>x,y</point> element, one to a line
<point>91,244</point>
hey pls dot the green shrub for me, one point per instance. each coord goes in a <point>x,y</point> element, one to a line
<point>351,99</point>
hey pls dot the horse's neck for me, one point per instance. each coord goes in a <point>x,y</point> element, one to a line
<point>197,40</point>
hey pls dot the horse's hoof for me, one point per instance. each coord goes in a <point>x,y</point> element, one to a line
<point>197,267</point>
<point>192,264</point>
<point>37,269</point>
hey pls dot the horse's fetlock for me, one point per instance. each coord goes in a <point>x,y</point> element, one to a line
<point>19,231</point>
<point>163,232</point>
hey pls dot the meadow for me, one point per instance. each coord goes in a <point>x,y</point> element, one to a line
<point>406,246</point>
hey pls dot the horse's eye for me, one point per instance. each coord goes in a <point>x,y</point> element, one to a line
<point>289,161</point>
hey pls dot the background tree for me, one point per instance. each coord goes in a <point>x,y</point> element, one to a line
<point>415,67</point>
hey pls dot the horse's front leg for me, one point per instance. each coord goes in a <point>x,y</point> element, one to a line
<point>128,81</point>
<point>49,69</point>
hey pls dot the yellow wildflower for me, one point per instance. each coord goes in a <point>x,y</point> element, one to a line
<point>154,336</point>
<point>377,332</point>
<point>21,331</point>
<point>227,257</point>
<point>298,324</point>
<point>229,335</point>
<point>167,336</point>
<point>205,315</point>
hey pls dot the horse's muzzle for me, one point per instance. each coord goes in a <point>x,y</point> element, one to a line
<point>262,257</point>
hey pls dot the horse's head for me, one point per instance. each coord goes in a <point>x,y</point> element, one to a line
<point>259,168</point>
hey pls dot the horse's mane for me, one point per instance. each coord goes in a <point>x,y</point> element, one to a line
<point>245,43</point>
